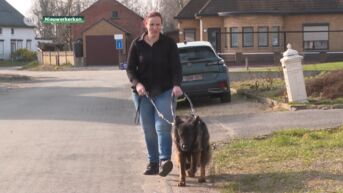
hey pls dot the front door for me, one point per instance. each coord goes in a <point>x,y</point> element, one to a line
<point>214,38</point>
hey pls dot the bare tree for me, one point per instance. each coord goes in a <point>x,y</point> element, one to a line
<point>61,33</point>
<point>169,9</point>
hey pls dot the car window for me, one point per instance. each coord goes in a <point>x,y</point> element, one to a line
<point>196,53</point>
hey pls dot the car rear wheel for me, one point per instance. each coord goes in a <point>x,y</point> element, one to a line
<point>225,98</point>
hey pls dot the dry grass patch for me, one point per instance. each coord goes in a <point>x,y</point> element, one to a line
<point>326,88</point>
<point>329,85</point>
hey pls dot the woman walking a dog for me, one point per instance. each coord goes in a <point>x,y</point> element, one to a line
<point>154,71</point>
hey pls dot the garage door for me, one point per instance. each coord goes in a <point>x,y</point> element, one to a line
<point>100,50</point>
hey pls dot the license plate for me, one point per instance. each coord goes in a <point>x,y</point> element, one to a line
<point>192,77</point>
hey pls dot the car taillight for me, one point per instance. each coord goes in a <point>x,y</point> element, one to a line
<point>220,62</point>
<point>223,85</point>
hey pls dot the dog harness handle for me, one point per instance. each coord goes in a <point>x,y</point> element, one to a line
<point>190,104</point>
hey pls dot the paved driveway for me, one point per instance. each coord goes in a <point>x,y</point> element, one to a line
<point>73,132</point>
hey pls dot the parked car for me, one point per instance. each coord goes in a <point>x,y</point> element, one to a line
<point>203,71</point>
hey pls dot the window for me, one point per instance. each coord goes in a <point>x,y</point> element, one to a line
<point>28,44</point>
<point>196,53</point>
<point>16,44</point>
<point>13,46</point>
<point>2,48</point>
<point>248,37</point>
<point>189,35</point>
<point>225,36</point>
<point>19,44</point>
<point>262,36</point>
<point>12,30</point>
<point>0,30</point>
<point>316,40</point>
<point>234,37</point>
<point>114,14</point>
<point>275,36</point>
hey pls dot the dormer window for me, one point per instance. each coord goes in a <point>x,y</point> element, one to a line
<point>114,14</point>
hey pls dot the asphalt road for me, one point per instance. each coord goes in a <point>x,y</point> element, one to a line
<point>73,132</point>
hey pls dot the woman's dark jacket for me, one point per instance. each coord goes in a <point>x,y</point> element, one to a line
<point>157,67</point>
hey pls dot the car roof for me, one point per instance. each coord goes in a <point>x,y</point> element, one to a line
<point>193,44</point>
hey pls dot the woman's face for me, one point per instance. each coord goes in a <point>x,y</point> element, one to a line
<point>153,25</point>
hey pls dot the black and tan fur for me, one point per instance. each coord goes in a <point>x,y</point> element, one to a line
<point>191,140</point>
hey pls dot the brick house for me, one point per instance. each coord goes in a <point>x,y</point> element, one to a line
<point>260,29</point>
<point>103,20</point>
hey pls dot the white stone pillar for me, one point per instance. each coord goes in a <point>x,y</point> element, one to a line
<point>294,77</point>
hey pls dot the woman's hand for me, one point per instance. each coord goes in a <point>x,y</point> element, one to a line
<point>177,91</point>
<point>140,89</point>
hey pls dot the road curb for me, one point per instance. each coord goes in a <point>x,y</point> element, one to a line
<point>290,107</point>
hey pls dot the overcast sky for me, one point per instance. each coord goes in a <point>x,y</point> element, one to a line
<point>23,6</point>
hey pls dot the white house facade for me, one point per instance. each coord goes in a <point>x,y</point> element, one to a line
<point>12,39</point>
<point>14,32</point>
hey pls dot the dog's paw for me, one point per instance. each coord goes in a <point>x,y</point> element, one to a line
<point>201,179</point>
<point>191,174</point>
<point>188,166</point>
<point>181,183</point>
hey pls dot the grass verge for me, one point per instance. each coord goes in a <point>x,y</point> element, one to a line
<point>298,160</point>
<point>9,63</point>
<point>330,66</point>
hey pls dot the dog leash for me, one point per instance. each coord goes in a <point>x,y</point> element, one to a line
<point>159,113</point>
<point>171,108</point>
<point>190,104</point>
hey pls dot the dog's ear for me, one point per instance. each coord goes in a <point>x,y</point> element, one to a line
<point>196,120</point>
<point>178,120</point>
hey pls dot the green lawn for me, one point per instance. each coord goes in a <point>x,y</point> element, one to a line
<point>291,161</point>
<point>307,67</point>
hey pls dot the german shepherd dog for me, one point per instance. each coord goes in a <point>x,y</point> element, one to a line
<point>191,140</point>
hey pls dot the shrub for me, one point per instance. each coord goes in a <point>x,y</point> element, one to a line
<point>24,55</point>
<point>328,86</point>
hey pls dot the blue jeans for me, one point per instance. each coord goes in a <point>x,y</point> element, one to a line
<point>157,131</point>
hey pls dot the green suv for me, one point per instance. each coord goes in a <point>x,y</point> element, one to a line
<point>203,71</point>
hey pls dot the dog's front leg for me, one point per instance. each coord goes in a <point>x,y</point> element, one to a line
<point>202,178</point>
<point>182,159</point>
<point>194,164</point>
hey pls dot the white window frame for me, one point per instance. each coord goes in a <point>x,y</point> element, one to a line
<point>248,37</point>
<point>190,34</point>
<point>29,44</point>
<point>13,46</point>
<point>263,36</point>
<point>316,40</point>
<point>19,44</point>
<point>2,48</point>
<point>275,36</point>
<point>234,37</point>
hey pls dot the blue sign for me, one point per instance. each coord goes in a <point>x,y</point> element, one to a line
<point>119,44</point>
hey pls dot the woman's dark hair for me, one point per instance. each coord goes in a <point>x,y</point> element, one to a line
<point>153,14</point>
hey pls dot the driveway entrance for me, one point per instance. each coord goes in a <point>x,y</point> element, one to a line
<point>101,50</point>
